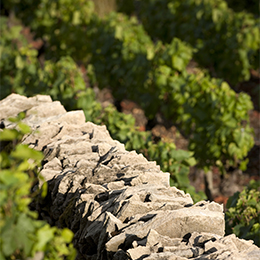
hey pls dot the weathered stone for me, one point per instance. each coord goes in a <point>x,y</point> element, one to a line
<point>145,198</point>
<point>53,109</point>
<point>252,255</point>
<point>113,244</point>
<point>14,104</point>
<point>118,204</point>
<point>184,251</point>
<point>42,136</point>
<point>54,164</point>
<point>199,239</point>
<point>165,256</point>
<point>48,174</point>
<point>138,252</point>
<point>177,223</point>
<point>153,238</point>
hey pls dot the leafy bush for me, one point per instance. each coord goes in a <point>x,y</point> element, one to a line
<point>251,6</point>
<point>215,119</point>
<point>22,235</point>
<point>117,52</point>
<point>64,81</point>
<point>226,42</point>
<point>61,24</point>
<point>22,73</point>
<point>210,114</point>
<point>243,213</point>
<point>18,61</point>
<point>131,64</point>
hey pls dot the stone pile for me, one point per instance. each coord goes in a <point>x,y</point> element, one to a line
<point>118,204</point>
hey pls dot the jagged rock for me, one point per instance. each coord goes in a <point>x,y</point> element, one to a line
<point>138,252</point>
<point>164,256</point>
<point>14,104</point>
<point>118,204</point>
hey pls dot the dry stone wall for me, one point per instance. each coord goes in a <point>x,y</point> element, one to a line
<point>118,204</point>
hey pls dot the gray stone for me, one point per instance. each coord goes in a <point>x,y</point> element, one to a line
<point>48,174</point>
<point>165,256</point>
<point>118,204</point>
<point>54,164</point>
<point>177,223</point>
<point>138,252</point>
<point>113,244</point>
<point>53,109</point>
<point>184,251</point>
<point>253,255</point>
<point>153,238</point>
<point>14,104</point>
<point>199,239</point>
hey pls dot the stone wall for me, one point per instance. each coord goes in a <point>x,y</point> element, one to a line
<point>118,204</point>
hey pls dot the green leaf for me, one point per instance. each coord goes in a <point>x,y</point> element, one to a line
<point>191,161</point>
<point>2,257</point>
<point>44,235</point>
<point>232,148</point>
<point>24,152</point>
<point>3,196</point>
<point>25,231</point>
<point>25,129</point>
<point>182,177</point>
<point>9,134</point>
<point>67,235</point>
<point>8,177</point>
<point>177,63</point>
<point>8,234</point>
<point>76,17</point>
<point>243,164</point>
<point>19,62</point>
<point>179,155</point>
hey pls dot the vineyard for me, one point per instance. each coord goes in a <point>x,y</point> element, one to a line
<point>145,52</point>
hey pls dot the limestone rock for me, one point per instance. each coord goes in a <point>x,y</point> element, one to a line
<point>118,204</point>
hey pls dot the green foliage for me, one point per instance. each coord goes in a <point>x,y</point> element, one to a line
<point>122,127</point>
<point>63,81</point>
<point>226,42</point>
<point>18,61</point>
<point>21,72</point>
<point>208,111</point>
<point>124,61</point>
<point>61,24</point>
<point>214,117</point>
<point>154,75</point>
<point>117,52</point>
<point>22,235</point>
<point>251,6</point>
<point>131,64</point>
<point>243,213</point>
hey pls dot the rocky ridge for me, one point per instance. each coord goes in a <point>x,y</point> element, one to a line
<point>118,204</point>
